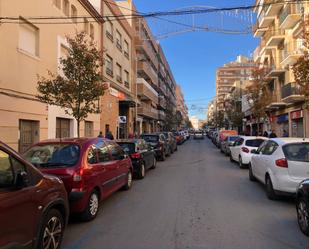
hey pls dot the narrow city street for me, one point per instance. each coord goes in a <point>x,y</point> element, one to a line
<point>196,199</point>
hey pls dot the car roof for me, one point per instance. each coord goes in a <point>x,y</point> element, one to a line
<point>253,137</point>
<point>289,140</point>
<point>132,140</point>
<point>80,141</point>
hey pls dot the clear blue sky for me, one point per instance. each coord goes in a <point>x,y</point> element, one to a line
<point>194,57</point>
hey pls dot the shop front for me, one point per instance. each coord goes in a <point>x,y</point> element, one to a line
<point>283,124</point>
<point>297,119</point>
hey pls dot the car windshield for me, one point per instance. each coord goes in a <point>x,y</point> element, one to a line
<point>297,152</point>
<point>254,142</point>
<point>129,148</point>
<point>150,138</point>
<point>53,155</point>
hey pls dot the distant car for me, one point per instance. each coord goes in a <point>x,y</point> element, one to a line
<point>171,141</point>
<point>302,206</point>
<point>186,134</point>
<point>142,155</point>
<point>34,207</point>
<point>158,142</point>
<point>91,169</point>
<point>226,143</point>
<point>223,134</point>
<point>281,164</point>
<point>198,135</point>
<point>242,147</point>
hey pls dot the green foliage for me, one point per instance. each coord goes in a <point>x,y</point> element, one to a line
<point>79,89</point>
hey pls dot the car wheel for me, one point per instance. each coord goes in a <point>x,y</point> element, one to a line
<point>92,208</point>
<point>141,173</point>
<point>154,164</point>
<point>270,192</point>
<point>128,184</point>
<point>251,176</point>
<point>303,215</point>
<point>51,233</point>
<point>240,163</point>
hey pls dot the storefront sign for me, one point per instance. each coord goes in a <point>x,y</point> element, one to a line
<point>122,119</point>
<point>282,118</point>
<point>296,114</point>
<point>114,92</point>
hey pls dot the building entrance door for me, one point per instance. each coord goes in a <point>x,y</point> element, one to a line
<point>29,134</point>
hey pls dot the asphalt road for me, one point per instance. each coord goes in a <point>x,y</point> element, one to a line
<point>196,199</point>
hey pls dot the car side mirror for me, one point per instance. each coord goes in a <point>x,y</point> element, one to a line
<point>22,180</point>
<point>254,151</point>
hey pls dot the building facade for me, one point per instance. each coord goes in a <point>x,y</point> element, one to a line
<point>29,48</point>
<point>181,105</point>
<point>280,29</point>
<point>238,70</point>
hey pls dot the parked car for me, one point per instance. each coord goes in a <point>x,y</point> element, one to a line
<point>302,206</point>
<point>171,141</point>
<point>186,134</point>
<point>91,169</point>
<point>281,164</point>
<point>34,207</point>
<point>242,147</point>
<point>226,143</point>
<point>142,155</point>
<point>223,134</point>
<point>179,138</point>
<point>158,142</point>
<point>198,135</point>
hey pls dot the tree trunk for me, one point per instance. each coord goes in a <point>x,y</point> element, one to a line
<point>78,126</point>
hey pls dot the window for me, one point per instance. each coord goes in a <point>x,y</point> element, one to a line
<point>116,151</point>
<point>91,31</point>
<point>118,40</point>
<point>109,65</point>
<point>239,142</point>
<point>119,73</point>
<point>297,152</point>
<point>126,49</point>
<point>109,30</point>
<point>28,38</point>
<point>63,127</point>
<point>6,171</point>
<point>74,13</point>
<point>57,3</point>
<point>103,153</point>
<point>88,129</point>
<point>86,26</point>
<point>126,79</point>
<point>66,7</point>
<point>254,142</point>
<point>270,148</point>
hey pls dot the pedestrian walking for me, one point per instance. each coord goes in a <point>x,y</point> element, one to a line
<point>272,134</point>
<point>109,135</point>
<point>285,133</point>
<point>265,134</point>
<point>100,134</point>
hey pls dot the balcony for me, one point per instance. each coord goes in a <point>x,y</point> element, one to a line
<point>147,71</point>
<point>147,111</point>
<point>145,91</point>
<point>290,16</point>
<point>275,102</point>
<point>291,93</point>
<point>291,54</point>
<point>162,102</point>
<point>273,37</point>
<point>258,31</point>
<point>275,71</point>
<point>264,21</point>
<point>144,46</point>
<point>257,54</point>
<point>273,9</point>
<point>161,115</point>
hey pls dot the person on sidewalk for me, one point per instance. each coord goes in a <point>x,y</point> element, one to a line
<point>100,134</point>
<point>265,134</point>
<point>285,133</point>
<point>109,135</point>
<point>272,134</point>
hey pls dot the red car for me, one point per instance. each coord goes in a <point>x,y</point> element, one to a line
<point>33,207</point>
<point>91,169</point>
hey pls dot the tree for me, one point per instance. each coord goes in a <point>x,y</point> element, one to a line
<point>79,89</point>
<point>219,119</point>
<point>259,96</point>
<point>301,68</point>
<point>234,113</point>
<point>170,115</point>
<point>179,119</point>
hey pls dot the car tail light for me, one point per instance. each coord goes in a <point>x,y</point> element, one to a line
<point>78,179</point>
<point>136,155</point>
<point>244,149</point>
<point>283,163</point>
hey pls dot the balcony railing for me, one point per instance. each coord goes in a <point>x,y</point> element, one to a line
<point>291,89</point>
<point>273,36</point>
<point>146,91</point>
<point>292,52</point>
<point>290,9</point>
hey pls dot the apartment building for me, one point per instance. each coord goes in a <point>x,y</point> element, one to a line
<point>211,110</point>
<point>279,27</point>
<point>119,102</point>
<point>238,70</point>
<point>181,105</point>
<point>156,85</point>
<point>29,48</point>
